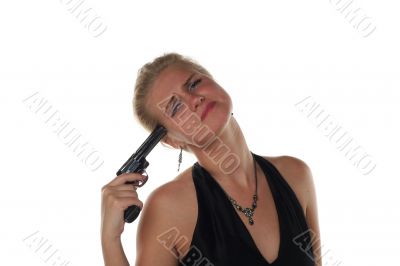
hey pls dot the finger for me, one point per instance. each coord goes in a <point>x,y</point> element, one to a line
<point>125,193</point>
<point>110,193</point>
<point>126,187</point>
<point>125,202</point>
<point>123,178</point>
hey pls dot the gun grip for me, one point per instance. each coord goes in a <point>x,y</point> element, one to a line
<point>131,213</point>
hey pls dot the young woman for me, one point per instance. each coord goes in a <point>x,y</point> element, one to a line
<point>232,207</point>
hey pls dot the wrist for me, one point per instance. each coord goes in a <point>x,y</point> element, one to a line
<point>106,238</point>
<point>113,251</point>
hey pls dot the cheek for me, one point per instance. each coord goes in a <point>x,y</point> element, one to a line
<point>222,95</point>
<point>225,100</point>
<point>180,126</point>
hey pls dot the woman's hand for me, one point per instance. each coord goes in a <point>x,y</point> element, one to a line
<point>116,196</point>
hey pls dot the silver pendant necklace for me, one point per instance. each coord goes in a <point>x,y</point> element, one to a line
<point>248,212</point>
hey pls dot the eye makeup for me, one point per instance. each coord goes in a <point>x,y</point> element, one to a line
<point>174,106</point>
<point>175,103</point>
<point>193,85</point>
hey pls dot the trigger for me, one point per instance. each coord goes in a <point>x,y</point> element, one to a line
<point>144,179</point>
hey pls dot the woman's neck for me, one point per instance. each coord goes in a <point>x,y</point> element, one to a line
<point>227,157</point>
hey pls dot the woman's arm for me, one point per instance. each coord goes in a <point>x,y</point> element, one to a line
<point>116,197</point>
<point>158,229</point>
<point>306,181</point>
<point>113,252</point>
<point>301,179</point>
<point>312,217</point>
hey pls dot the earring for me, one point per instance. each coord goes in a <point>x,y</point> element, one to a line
<point>180,159</point>
<point>231,114</point>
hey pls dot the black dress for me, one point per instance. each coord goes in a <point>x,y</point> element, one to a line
<point>221,239</point>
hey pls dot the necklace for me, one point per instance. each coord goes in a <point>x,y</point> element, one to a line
<point>248,212</point>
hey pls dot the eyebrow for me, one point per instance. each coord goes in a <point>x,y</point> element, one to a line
<point>183,86</point>
<point>187,81</point>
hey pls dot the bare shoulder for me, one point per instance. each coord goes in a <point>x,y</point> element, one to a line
<point>298,175</point>
<point>291,165</point>
<point>173,198</point>
<point>165,216</point>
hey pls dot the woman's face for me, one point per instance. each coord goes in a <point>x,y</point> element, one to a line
<point>187,102</point>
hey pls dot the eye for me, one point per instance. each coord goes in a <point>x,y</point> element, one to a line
<point>193,85</point>
<point>174,106</point>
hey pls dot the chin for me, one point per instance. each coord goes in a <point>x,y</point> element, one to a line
<point>218,121</point>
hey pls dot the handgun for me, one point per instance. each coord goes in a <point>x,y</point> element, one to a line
<point>137,163</point>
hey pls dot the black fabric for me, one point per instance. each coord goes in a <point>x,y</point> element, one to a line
<point>221,239</point>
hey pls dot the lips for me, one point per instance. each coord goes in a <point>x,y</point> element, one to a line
<point>207,109</point>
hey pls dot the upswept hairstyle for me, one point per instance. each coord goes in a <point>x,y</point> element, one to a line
<point>146,77</point>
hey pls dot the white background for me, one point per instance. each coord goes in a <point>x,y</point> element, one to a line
<point>267,55</point>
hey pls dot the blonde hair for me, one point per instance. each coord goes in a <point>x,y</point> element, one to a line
<point>146,77</point>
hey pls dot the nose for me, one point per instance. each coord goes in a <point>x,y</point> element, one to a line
<point>195,101</point>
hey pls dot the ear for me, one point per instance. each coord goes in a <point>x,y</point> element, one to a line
<point>171,142</point>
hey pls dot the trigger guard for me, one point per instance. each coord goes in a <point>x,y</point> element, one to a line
<point>139,184</point>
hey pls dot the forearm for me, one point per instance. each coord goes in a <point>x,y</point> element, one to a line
<point>113,252</point>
